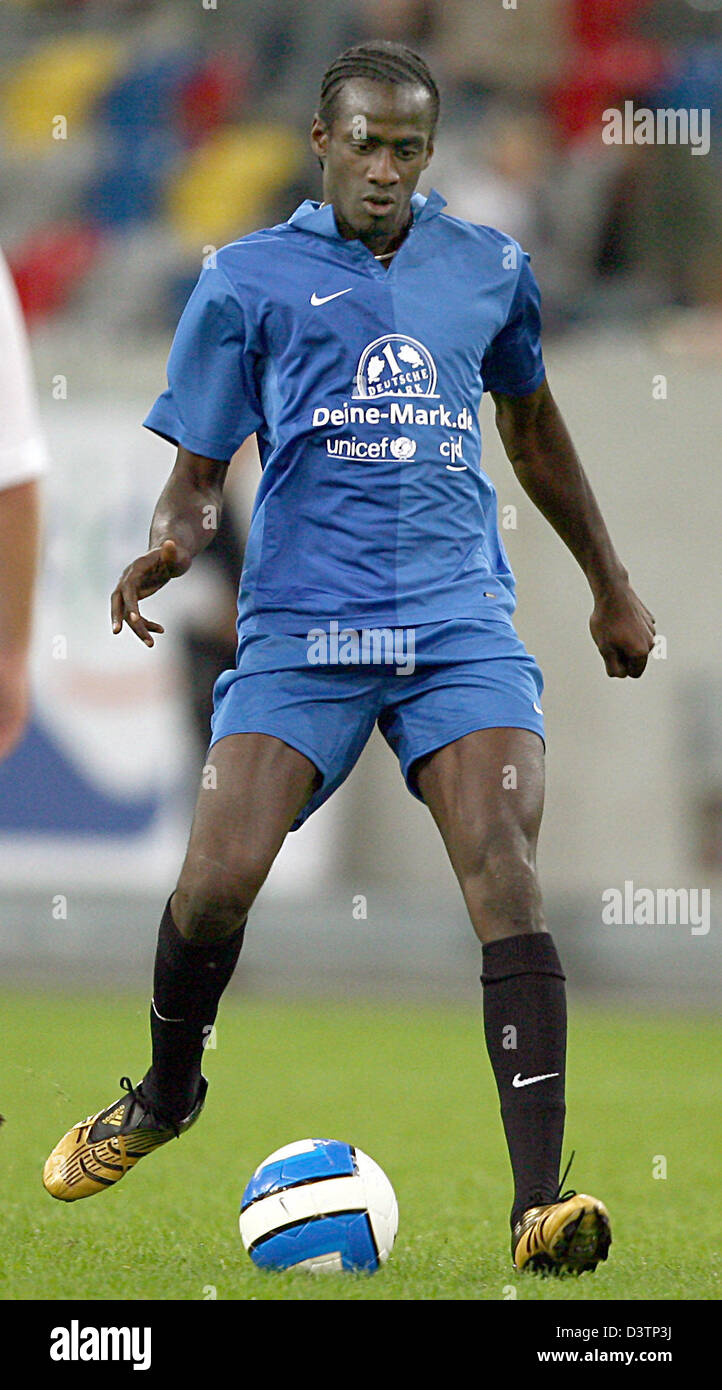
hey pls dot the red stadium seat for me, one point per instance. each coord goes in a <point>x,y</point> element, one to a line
<point>215,93</point>
<point>595,22</point>
<point>609,64</point>
<point>603,77</point>
<point>48,266</point>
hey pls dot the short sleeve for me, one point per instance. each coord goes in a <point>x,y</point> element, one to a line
<point>512,363</point>
<point>212,402</point>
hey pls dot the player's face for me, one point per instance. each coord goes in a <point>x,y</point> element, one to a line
<point>373,156</point>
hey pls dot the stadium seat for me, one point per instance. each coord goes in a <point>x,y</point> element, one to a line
<point>49,264</point>
<point>610,63</point>
<point>225,187</point>
<point>144,100</point>
<point>595,22</point>
<point>128,187</point>
<point>215,93</point>
<point>64,78</point>
<point>694,82</point>
<point>603,76</point>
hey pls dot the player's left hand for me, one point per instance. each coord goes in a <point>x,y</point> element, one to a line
<point>623,630</point>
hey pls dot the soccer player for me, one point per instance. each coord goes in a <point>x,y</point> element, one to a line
<point>356,340</point>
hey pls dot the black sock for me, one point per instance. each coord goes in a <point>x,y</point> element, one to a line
<point>188,981</point>
<point>525,1024</point>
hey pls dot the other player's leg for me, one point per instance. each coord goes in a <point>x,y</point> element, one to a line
<point>486,794</point>
<point>253,788</point>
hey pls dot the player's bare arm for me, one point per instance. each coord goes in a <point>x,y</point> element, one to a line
<point>19,543</point>
<point>185,521</point>
<point>540,450</point>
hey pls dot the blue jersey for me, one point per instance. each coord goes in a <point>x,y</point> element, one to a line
<point>363,386</point>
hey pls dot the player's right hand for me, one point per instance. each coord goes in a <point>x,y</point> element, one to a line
<point>145,576</point>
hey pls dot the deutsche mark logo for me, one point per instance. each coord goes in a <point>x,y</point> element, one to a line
<point>395,366</point>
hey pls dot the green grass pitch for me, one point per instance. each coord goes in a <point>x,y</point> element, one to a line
<point>409,1085</point>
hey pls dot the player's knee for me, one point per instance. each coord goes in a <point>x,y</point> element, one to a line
<point>213,897</point>
<point>204,917</point>
<point>502,866</point>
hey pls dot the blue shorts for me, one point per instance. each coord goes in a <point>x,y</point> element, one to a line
<point>424,686</point>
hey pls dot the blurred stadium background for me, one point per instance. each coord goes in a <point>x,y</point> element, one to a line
<point>137,136</point>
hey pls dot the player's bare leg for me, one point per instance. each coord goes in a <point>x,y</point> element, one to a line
<point>486,794</point>
<point>245,807</point>
<point>256,787</point>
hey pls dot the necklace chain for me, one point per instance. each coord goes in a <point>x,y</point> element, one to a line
<point>386,255</point>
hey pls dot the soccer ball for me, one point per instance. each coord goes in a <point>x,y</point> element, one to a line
<point>319,1204</point>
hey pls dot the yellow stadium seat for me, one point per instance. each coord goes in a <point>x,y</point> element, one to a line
<point>223,189</point>
<point>64,78</point>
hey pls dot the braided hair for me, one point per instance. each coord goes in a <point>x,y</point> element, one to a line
<point>381,61</point>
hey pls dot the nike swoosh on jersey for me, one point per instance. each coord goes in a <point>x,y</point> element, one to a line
<point>316,302</point>
<point>529,1080</point>
<point>538,710</point>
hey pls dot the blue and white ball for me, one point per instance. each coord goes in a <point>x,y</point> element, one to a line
<point>320,1205</point>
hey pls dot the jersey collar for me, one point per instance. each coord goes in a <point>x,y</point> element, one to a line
<point>312,217</point>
